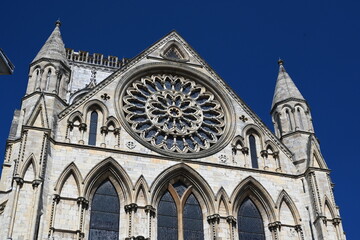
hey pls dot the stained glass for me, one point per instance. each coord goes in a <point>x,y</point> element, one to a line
<point>193,220</point>
<point>93,128</point>
<point>167,218</point>
<point>104,217</point>
<point>250,224</point>
<point>254,160</point>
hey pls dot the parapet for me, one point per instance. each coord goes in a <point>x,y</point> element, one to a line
<point>95,58</point>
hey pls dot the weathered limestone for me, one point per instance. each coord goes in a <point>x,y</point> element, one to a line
<point>51,172</point>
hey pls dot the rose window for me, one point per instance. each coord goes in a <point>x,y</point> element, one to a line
<point>173,113</point>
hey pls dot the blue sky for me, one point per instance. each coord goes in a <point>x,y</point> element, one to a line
<point>242,40</point>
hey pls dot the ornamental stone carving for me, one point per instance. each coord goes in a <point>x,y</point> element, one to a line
<point>173,113</point>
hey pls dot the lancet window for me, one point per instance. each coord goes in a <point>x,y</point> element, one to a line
<point>253,153</point>
<point>178,215</point>
<point>93,128</point>
<point>104,217</point>
<point>250,223</point>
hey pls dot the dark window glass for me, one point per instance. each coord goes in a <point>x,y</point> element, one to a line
<point>253,155</point>
<point>93,128</point>
<point>180,188</point>
<point>300,119</point>
<point>279,123</point>
<point>289,120</point>
<point>250,224</point>
<point>167,218</point>
<point>193,220</point>
<point>104,217</point>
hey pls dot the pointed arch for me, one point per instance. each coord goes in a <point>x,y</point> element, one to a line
<point>315,155</point>
<point>252,189</point>
<point>188,175</point>
<point>284,197</point>
<point>39,111</point>
<point>30,161</point>
<point>253,129</point>
<point>96,105</point>
<point>270,145</point>
<point>112,119</point>
<point>174,46</point>
<point>328,204</point>
<point>238,140</point>
<point>76,116</point>
<point>70,170</point>
<point>108,168</point>
<point>223,202</point>
<point>141,185</point>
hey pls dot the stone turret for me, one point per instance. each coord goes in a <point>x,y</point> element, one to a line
<point>291,115</point>
<point>50,71</point>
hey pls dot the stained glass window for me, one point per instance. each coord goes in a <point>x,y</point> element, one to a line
<point>93,128</point>
<point>167,218</point>
<point>253,155</point>
<point>250,223</point>
<point>193,220</point>
<point>104,217</point>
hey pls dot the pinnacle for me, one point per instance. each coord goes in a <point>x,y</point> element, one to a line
<point>54,47</point>
<point>285,87</point>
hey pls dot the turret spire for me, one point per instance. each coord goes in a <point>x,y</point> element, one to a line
<point>285,87</point>
<point>54,47</point>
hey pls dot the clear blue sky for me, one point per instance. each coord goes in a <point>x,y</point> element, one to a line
<point>242,40</point>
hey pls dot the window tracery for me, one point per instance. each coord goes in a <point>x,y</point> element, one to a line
<point>179,215</point>
<point>174,113</point>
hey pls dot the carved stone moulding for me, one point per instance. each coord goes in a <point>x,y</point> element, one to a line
<point>176,114</point>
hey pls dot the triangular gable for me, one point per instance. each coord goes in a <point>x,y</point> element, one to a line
<point>38,116</point>
<point>314,154</point>
<point>156,51</point>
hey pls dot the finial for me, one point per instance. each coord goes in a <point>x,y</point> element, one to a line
<point>280,62</point>
<point>58,23</point>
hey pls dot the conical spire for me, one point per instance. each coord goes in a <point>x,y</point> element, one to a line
<point>54,47</point>
<point>285,87</point>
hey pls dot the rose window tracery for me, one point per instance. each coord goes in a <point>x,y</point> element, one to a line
<point>173,113</point>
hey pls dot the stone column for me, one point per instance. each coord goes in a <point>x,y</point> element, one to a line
<point>232,226</point>
<point>264,154</point>
<point>82,129</point>
<point>19,183</point>
<point>117,135</point>
<point>35,185</point>
<point>300,232</point>
<point>104,131</point>
<point>69,128</point>
<point>245,151</point>
<point>150,212</point>
<point>56,200</point>
<point>83,206</point>
<point>274,228</point>
<point>130,209</point>
<point>214,220</point>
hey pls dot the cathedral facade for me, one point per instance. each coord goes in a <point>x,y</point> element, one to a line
<point>159,147</point>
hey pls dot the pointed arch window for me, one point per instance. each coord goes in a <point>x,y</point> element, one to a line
<point>250,223</point>
<point>289,119</point>
<point>93,128</point>
<point>48,79</point>
<point>300,119</point>
<point>104,216</point>
<point>253,153</point>
<point>278,121</point>
<point>179,214</point>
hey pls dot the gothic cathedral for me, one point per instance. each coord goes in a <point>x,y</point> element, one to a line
<point>159,147</point>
